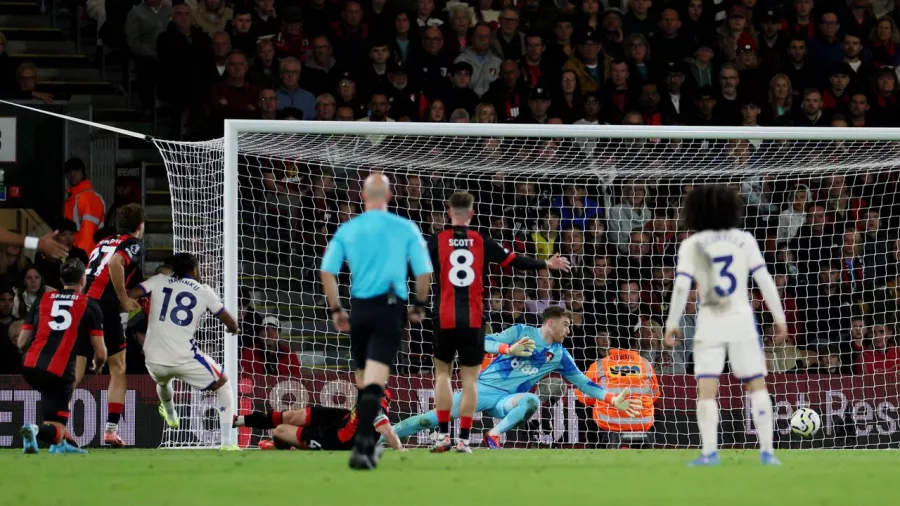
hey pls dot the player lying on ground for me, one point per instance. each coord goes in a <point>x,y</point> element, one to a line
<point>177,304</point>
<point>503,387</point>
<point>719,258</point>
<point>315,428</point>
<point>460,256</point>
<point>59,323</point>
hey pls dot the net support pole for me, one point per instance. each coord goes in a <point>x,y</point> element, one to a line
<point>230,261</point>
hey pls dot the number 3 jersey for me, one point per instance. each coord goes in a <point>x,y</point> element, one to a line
<point>61,321</point>
<point>99,285</point>
<point>460,256</point>
<point>719,262</point>
<point>176,307</point>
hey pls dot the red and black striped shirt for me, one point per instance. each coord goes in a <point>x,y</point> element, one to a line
<point>460,256</point>
<point>61,321</point>
<point>98,285</point>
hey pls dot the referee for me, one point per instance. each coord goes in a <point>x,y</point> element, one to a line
<point>376,245</point>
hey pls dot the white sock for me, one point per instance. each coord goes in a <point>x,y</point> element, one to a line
<point>225,404</point>
<point>167,398</point>
<point>708,421</point>
<point>761,410</point>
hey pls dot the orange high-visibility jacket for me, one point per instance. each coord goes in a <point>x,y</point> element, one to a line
<point>623,369</point>
<point>86,208</point>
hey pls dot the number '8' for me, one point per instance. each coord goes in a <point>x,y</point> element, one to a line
<point>182,313</point>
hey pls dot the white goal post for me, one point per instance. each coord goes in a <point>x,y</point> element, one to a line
<point>258,205</point>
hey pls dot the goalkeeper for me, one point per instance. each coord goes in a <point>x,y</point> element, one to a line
<point>526,355</point>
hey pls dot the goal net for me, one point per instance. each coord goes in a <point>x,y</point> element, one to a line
<point>609,199</point>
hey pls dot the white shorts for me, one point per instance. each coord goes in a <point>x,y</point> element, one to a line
<point>200,373</point>
<point>733,337</point>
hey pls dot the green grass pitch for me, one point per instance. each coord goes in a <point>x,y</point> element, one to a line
<point>496,478</point>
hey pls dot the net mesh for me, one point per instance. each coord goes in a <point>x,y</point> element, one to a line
<point>825,214</point>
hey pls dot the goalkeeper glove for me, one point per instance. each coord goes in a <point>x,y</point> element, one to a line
<point>630,406</point>
<point>521,348</point>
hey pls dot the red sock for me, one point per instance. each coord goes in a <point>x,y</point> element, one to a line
<point>465,426</point>
<point>114,412</point>
<point>276,418</point>
<point>443,417</point>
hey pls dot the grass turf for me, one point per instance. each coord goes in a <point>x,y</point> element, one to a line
<point>496,478</point>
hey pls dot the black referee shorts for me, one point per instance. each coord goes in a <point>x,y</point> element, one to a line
<point>113,331</point>
<point>55,394</point>
<point>467,343</point>
<point>376,330</point>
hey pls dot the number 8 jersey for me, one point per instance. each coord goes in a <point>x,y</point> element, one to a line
<point>460,256</point>
<point>720,262</point>
<point>176,307</point>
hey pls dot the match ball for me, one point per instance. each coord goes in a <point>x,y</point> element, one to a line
<point>805,422</point>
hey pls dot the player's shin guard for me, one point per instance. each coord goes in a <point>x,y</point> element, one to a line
<point>367,410</point>
<point>225,405</point>
<point>415,424</point>
<point>708,422</point>
<point>113,416</point>
<point>761,407</point>
<point>465,427</point>
<point>523,411</point>
<point>443,417</point>
<point>167,398</point>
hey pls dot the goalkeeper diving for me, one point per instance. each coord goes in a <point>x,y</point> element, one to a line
<point>525,355</point>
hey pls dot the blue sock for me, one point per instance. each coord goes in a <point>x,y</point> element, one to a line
<point>415,424</point>
<point>523,411</point>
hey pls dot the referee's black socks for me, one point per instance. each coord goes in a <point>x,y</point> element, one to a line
<point>367,409</point>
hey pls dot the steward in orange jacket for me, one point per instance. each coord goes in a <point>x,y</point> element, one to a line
<point>623,369</point>
<point>84,206</point>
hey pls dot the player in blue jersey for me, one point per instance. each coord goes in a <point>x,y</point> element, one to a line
<point>526,355</point>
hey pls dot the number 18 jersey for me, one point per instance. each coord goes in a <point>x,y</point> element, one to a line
<point>720,262</point>
<point>176,307</point>
<point>460,256</point>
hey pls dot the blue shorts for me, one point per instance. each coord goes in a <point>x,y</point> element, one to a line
<point>492,402</point>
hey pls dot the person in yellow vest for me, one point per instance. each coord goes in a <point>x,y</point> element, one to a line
<point>546,238</point>
<point>620,369</point>
<point>84,206</point>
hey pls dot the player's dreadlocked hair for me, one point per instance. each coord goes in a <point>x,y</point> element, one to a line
<point>712,207</point>
<point>183,265</point>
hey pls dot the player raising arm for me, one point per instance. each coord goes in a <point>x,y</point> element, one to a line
<point>719,258</point>
<point>59,322</point>
<point>460,256</point>
<point>177,304</point>
<point>316,428</point>
<point>503,387</point>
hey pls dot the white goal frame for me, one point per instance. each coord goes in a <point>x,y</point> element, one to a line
<point>234,128</point>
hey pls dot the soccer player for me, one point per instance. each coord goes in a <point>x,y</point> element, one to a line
<point>110,267</point>
<point>503,387</point>
<point>177,305</point>
<point>59,322</point>
<point>316,428</point>
<point>719,258</point>
<point>377,246</point>
<point>460,256</point>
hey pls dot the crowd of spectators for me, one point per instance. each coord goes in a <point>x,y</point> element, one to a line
<point>693,62</point>
<point>831,244</point>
